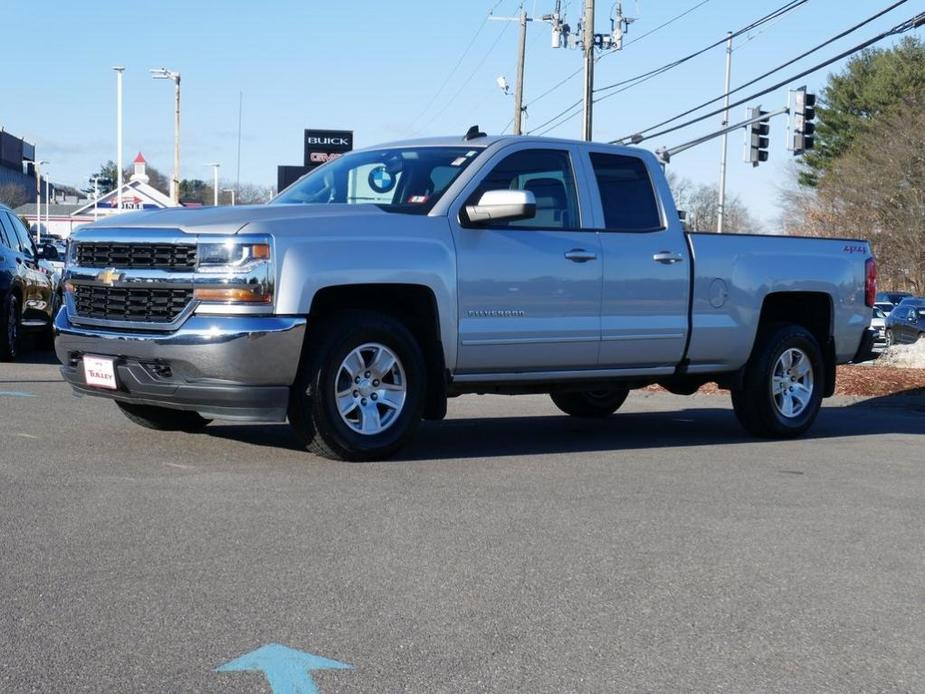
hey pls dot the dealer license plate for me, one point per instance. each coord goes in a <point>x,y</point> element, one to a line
<point>99,372</point>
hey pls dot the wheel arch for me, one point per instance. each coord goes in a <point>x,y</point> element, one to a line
<point>813,311</point>
<point>414,305</point>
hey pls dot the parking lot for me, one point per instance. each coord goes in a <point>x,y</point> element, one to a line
<point>509,549</point>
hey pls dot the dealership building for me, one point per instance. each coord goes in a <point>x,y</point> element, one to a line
<point>63,219</point>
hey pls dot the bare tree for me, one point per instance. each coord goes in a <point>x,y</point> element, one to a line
<point>13,195</point>
<point>875,190</point>
<point>700,202</point>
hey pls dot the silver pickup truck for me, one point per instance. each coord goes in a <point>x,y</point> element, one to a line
<point>384,282</point>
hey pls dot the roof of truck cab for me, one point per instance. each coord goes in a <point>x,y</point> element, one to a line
<point>488,140</point>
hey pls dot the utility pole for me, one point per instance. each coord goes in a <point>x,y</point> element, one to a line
<point>587,25</point>
<point>119,70</point>
<point>519,84</point>
<point>522,19</point>
<point>721,213</point>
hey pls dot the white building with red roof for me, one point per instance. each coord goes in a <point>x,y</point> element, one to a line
<point>137,194</point>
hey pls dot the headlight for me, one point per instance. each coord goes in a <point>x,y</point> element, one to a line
<point>231,255</point>
<point>235,271</point>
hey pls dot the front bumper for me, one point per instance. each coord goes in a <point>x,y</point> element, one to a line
<point>230,367</point>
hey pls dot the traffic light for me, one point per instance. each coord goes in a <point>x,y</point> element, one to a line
<point>757,142</point>
<point>802,126</point>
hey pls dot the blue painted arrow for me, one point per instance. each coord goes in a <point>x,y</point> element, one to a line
<point>286,669</point>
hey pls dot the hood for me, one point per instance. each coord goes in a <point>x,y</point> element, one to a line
<point>227,219</point>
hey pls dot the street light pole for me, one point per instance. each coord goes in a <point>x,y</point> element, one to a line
<point>587,25</point>
<point>163,73</point>
<point>47,209</point>
<point>38,198</point>
<point>721,207</point>
<point>214,166</point>
<point>119,70</point>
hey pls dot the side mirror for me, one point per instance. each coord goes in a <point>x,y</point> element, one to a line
<point>49,252</point>
<point>502,206</point>
<point>40,251</point>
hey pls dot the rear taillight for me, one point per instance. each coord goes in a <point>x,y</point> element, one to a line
<point>870,282</point>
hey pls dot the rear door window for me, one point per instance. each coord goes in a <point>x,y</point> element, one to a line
<point>627,196</point>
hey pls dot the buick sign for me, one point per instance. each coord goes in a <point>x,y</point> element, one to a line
<point>324,145</point>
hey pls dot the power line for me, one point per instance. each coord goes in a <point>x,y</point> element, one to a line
<point>638,38</point>
<point>459,62</point>
<point>912,23</point>
<point>769,73</point>
<point>638,79</point>
<point>779,12</point>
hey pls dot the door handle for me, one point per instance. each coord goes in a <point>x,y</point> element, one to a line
<point>667,257</point>
<point>580,255</point>
<point>18,260</point>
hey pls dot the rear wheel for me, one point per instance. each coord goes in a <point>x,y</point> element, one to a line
<point>784,382</point>
<point>163,418</point>
<point>592,404</point>
<point>360,391</point>
<point>9,328</point>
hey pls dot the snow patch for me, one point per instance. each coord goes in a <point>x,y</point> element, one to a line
<point>904,356</point>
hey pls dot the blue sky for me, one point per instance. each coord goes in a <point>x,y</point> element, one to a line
<point>373,68</point>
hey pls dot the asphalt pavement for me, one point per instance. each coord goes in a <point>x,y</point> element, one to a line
<point>510,549</point>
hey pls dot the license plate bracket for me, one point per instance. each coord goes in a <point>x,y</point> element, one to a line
<point>100,372</point>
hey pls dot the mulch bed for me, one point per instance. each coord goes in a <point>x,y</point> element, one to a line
<point>857,380</point>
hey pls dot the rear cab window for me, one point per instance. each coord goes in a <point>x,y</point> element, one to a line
<point>627,195</point>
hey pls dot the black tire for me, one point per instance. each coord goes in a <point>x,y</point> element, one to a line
<point>591,404</point>
<point>890,341</point>
<point>163,418</point>
<point>313,412</point>
<point>757,407</point>
<point>10,329</point>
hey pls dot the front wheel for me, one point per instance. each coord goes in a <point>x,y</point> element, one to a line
<point>783,384</point>
<point>591,404</point>
<point>360,391</point>
<point>163,418</point>
<point>890,341</point>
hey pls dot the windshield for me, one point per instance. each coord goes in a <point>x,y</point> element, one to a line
<point>408,180</point>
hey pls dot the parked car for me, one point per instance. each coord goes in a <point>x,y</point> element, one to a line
<point>878,325</point>
<point>884,306</point>
<point>26,291</point>
<point>893,297</point>
<point>906,323</point>
<point>388,280</point>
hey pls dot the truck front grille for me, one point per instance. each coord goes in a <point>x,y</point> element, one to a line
<point>131,304</point>
<point>158,256</point>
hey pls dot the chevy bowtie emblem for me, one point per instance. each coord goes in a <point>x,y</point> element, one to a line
<point>109,276</point>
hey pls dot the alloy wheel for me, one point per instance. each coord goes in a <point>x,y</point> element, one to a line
<point>792,382</point>
<point>370,388</point>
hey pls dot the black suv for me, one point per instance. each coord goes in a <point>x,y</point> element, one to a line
<point>26,291</point>
<point>906,322</point>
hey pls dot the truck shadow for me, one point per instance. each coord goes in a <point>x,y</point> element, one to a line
<point>488,437</point>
